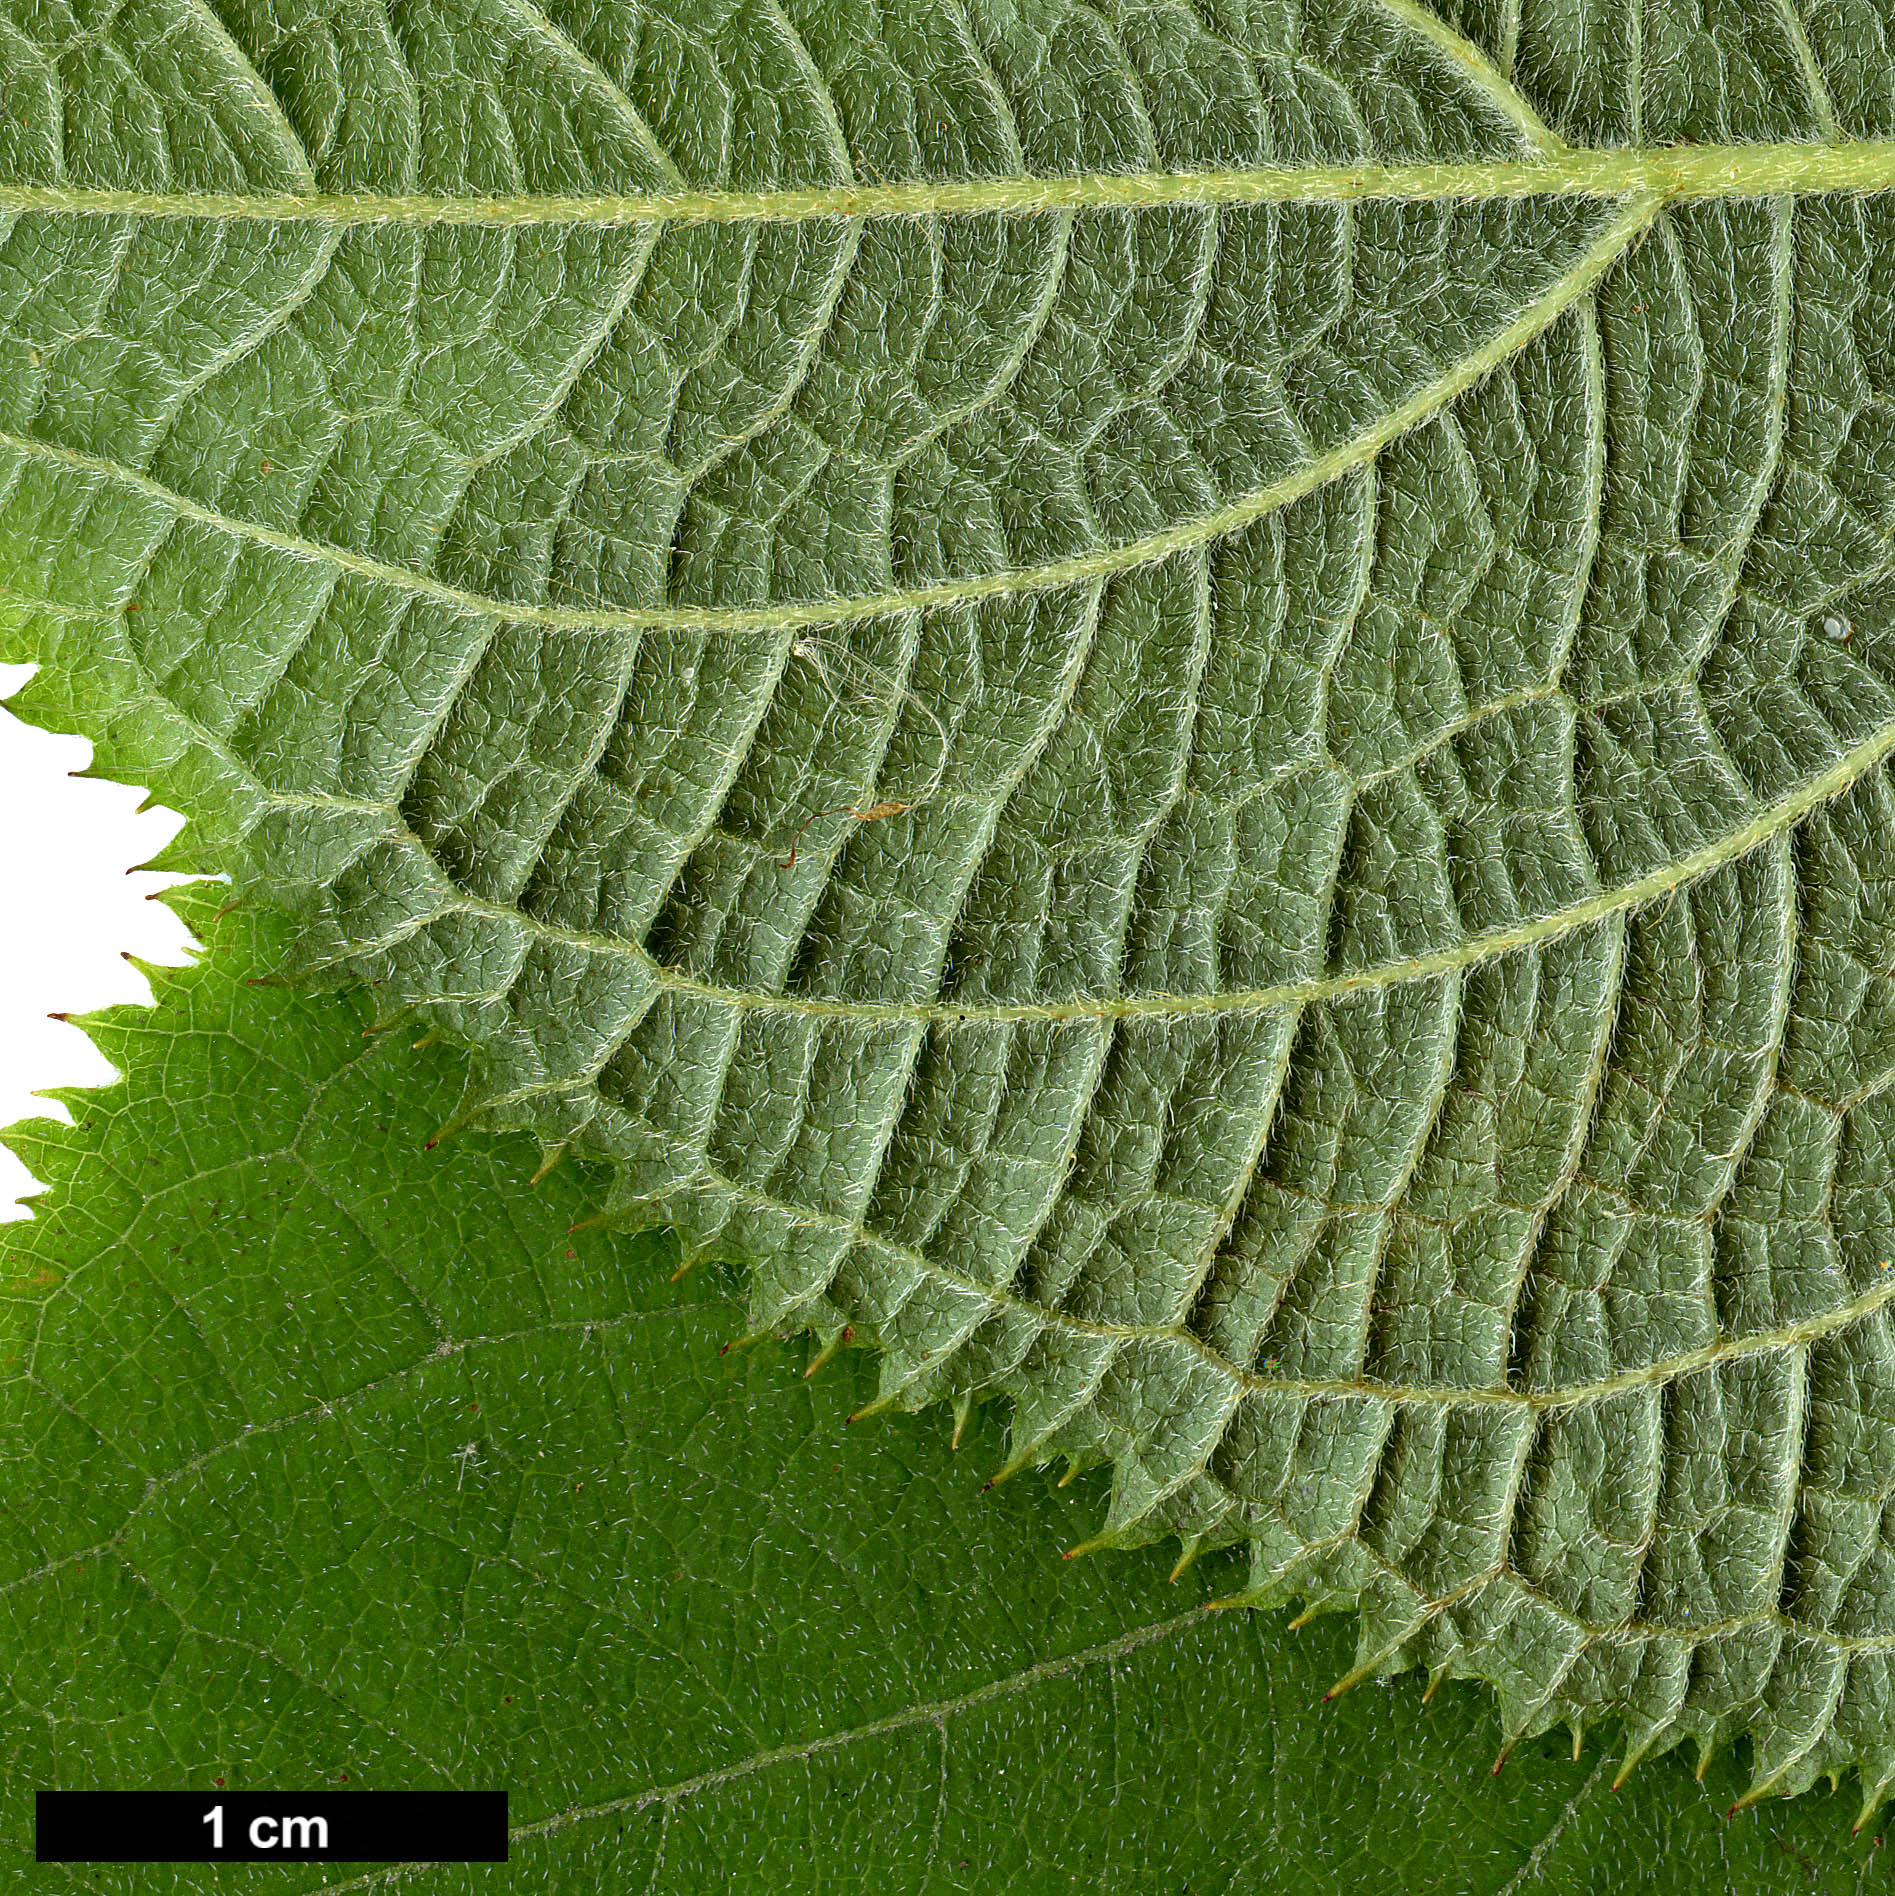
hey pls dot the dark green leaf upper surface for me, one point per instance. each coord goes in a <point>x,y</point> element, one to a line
<point>1184,710</point>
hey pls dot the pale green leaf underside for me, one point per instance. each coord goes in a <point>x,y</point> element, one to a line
<point>1184,710</point>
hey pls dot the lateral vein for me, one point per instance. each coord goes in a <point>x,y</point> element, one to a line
<point>1613,239</point>
<point>935,1712</point>
<point>1769,820</point>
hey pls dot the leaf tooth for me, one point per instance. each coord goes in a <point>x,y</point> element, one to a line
<point>690,1256</point>
<point>829,1349</point>
<point>1634,1757</point>
<point>1644,1737</point>
<point>1383,1641</point>
<point>1034,1452</point>
<point>919,1341</point>
<point>1532,1720</point>
<point>472,1113</point>
<point>1372,1656</point>
<point>1762,1787</point>
<point>1059,1379</point>
<point>1350,1679</point>
<point>1193,1546</point>
<point>1874,1797</point>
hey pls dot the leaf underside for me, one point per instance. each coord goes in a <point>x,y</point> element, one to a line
<point>1243,800</point>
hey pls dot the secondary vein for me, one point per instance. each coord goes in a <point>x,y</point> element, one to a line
<point>1766,821</point>
<point>1612,240</point>
<point>931,1712</point>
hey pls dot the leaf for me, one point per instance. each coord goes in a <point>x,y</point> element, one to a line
<point>328,1458</point>
<point>1186,711</point>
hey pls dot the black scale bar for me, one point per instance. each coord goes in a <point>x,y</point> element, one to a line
<point>271,1827</point>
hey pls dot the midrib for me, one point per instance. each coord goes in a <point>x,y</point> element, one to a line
<point>1674,172</point>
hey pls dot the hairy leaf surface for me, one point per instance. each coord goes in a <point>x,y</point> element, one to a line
<point>328,1460</point>
<point>1184,710</point>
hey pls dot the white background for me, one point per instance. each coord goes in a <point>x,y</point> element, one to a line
<point>69,914</point>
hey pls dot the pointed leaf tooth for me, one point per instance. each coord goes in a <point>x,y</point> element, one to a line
<point>1163,1410</point>
<point>1874,1795</point>
<point>829,1347</point>
<point>1187,1555</point>
<point>919,1338</point>
<point>1644,1681</point>
<point>1634,1756</point>
<point>1200,1506</point>
<point>1350,1679</point>
<point>1794,1717</point>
